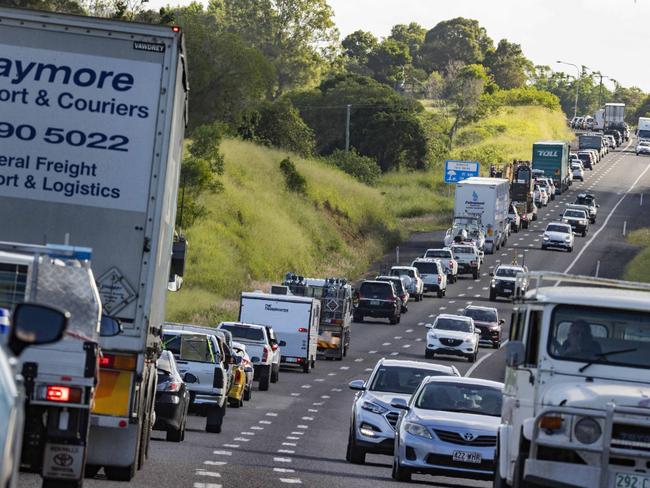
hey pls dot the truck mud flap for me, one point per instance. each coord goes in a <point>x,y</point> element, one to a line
<point>63,461</point>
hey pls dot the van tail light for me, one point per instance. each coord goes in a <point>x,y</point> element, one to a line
<point>302,329</point>
<point>60,394</point>
<point>265,354</point>
<point>126,362</point>
<point>172,386</point>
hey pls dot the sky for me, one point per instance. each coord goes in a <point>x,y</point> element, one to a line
<point>609,36</point>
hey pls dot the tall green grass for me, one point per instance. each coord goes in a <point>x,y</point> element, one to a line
<point>639,268</point>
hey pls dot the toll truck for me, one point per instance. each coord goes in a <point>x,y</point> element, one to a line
<point>335,294</point>
<point>60,379</point>
<point>552,157</point>
<point>91,154</point>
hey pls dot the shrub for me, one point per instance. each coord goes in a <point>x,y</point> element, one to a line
<point>294,181</point>
<point>363,168</point>
<point>523,96</point>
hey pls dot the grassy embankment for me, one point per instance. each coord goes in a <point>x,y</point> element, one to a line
<point>639,268</point>
<point>256,230</point>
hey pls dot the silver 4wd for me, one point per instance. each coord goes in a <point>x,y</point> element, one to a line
<point>469,259</point>
<point>576,408</point>
<point>204,368</point>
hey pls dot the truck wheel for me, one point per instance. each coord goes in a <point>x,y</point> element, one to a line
<point>234,403</point>
<point>499,482</point>
<point>214,419</point>
<point>275,373</point>
<point>120,473</point>
<point>265,378</point>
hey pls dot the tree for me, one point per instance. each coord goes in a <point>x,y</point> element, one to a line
<point>388,62</point>
<point>465,95</point>
<point>363,168</point>
<point>412,35</point>
<point>227,76</point>
<point>643,110</point>
<point>508,65</point>
<point>297,36</point>
<point>452,40</point>
<point>359,45</point>
<point>63,6</point>
<point>632,97</point>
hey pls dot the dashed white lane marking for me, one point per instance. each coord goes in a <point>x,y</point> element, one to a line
<point>231,446</point>
<point>386,344</point>
<point>470,287</point>
<point>397,338</point>
<point>452,301</point>
<point>485,288</point>
<point>409,330</point>
<point>215,463</point>
<point>331,374</point>
<point>460,295</point>
<point>248,433</point>
<point>271,414</point>
<point>284,470</point>
<point>241,439</point>
<point>394,353</point>
<point>440,308</point>
<point>418,339</point>
<point>302,426</point>
<point>295,394</point>
<point>307,418</point>
<point>209,474</point>
<point>291,481</point>
<point>405,346</point>
<point>265,422</point>
<point>256,427</point>
<point>460,309</point>
<point>292,438</point>
<point>281,460</point>
<point>289,444</point>
<point>358,360</point>
<point>431,316</point>
<point>305,386</point>
<point>372,352</point>
<point>318,404</point>
<point>344,367</point>
<point>368,369</point>
<point>222,453</point>
<point>478,295</point>
<point>420,323</point>
<point>336,389</point>
<point>320,380</point>
<point>298,432</point>
<point>286,451</point>
<point>207,485</point>
<point>312,410</point>
<point>325,397</point>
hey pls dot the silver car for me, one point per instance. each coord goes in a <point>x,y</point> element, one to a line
<point>372,427</point>
<point>448,428</point>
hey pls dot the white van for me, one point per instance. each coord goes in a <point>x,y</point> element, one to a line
<point>293,318</point>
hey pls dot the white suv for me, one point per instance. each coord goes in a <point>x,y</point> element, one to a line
<point>204,367</point>
<point>433,275</point>
<point>453,334</point>
<point>447,258</point>
<point>415,284</point>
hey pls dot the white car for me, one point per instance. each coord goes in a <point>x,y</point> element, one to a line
<point>455,335</point>
<point>469,259</point>
<point>433,273</point>
<point>514,218</point>
<point>540,196</point>
<point>415,285</point>
<point>643,147</point>
<point>558,234</point>
<point>446,256</point>
<point>547,184</point>
<point>578,172</point>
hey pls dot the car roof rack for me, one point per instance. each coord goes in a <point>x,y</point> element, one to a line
<point>564,278</point>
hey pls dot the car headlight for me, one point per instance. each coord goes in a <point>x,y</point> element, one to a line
<point>418,430</point>
<point>546,238</point>
<point>374,408</point>
<point>493,283</point>
<point>583,222</point>
<point>566,221</point>
<point>587,430</point>
<point>567,238</point>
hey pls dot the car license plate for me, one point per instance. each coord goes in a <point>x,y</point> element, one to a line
<point>467,457</point>
<point>507,292</point>
<point>626,480</point>
<point>292,360</point>
<point>374,302</point>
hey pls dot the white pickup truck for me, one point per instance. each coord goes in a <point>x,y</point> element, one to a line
<point>446,257</point>
<point>576,408</point>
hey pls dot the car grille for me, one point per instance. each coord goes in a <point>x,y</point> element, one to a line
<point>441,460</point>
<point>451,342</point>
<point>392,418</point>
<point>456,438</point>
<point>631,436</point>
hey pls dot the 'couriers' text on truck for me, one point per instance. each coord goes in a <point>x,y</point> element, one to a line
<point>487,199</point>
<point>552,157</point>
<point>93,124</point>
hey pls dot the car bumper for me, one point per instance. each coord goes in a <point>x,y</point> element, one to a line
<point>579,228</point>
<point>503,291</point>
<point>432,456</point>
<point>460,350</point>
<point>383,440</point>
<point>466,268</point>
<point>368,311</point>
<point>556,244</point>
<point>490,336</point>
<point>431,287</point>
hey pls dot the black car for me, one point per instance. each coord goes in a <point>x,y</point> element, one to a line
<point>399,288</point>
<point>172,399</point>
<point>377,299</point>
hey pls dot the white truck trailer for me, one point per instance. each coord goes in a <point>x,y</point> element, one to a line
<point>92,125</point>
<point>643,129</point>
<point>488,199</point>
<point>294,320</point>
<point>60,378</point>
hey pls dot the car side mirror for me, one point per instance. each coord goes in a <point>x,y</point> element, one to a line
<point>597,206</point>
<point>428,326</point>
<point>491,274</point>
<point>190,378</point>
<point>399,403</point>
<point>358,385</point>
<point>515,353</point>
<point>502,321</point>
<point>110,327</point>
<point>283,343</point>
<point>34,324</point>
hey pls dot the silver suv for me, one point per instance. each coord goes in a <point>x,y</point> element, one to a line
<point>372,427</point>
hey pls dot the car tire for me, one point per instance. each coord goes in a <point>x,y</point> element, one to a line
<point>496,345</point>
<point>394,319</point>
<point>570,249</point>
<point>543,247</point>
<point>441,293</point>
<point>475,274</point>
<point>357,318</point>
<point>306,366</point>
<point>120,473</point>
<point>428,354</point>
<point>234,403</point>
<point>176,435</point>
<point>400,473</point>
<point>275,373</point>
<point>214,419</point>
<point>584,233</point>
<point>354,454</point>
<point>493,296</point>
<point>265,379</point>
<point>472,357</point>
<point>248,393</point>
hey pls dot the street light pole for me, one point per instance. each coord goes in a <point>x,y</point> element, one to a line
<point>575,107</point>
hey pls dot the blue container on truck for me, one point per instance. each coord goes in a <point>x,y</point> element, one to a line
<point>552,157</point>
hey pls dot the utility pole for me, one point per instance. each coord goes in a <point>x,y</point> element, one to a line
<point>347,127</point>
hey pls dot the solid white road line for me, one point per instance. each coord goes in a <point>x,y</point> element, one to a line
<point>478,363</point>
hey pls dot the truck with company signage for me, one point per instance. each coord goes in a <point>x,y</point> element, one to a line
<point>294,320</point>
<point>486,199</point>
<point>552,157</point>
<point>576,400</point>
<point>60,379</point>
<point>643,129</point>
<point>335,294</point>
<point>92,135</point>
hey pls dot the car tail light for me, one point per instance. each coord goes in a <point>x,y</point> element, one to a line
<point>274,347</point>
<point>173,386</point>
<point>472,263</point>
<point>60,394</point>
<point>265,354</point>
<point>403,297</point>
<point>302,329</point>
<point>238,375</point>
<point>439,279</point>
<point>125,362</point>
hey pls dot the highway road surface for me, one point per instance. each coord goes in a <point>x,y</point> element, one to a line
<point>296,433</point>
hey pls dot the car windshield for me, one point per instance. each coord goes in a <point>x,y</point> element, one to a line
<point>426,268</point>
<point>464,250</point>
<point>460,397</point>
<point>600,335</point>
<point>438,253</point>
<point>508,272</point>
<point>403,272</point>
<point>558,228</point>
<point>400,379</point>
<point>580,214</point>
<point>243,332</point>
<point>481,314</point>
<point>375,289</point>
<point>458,325</point>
